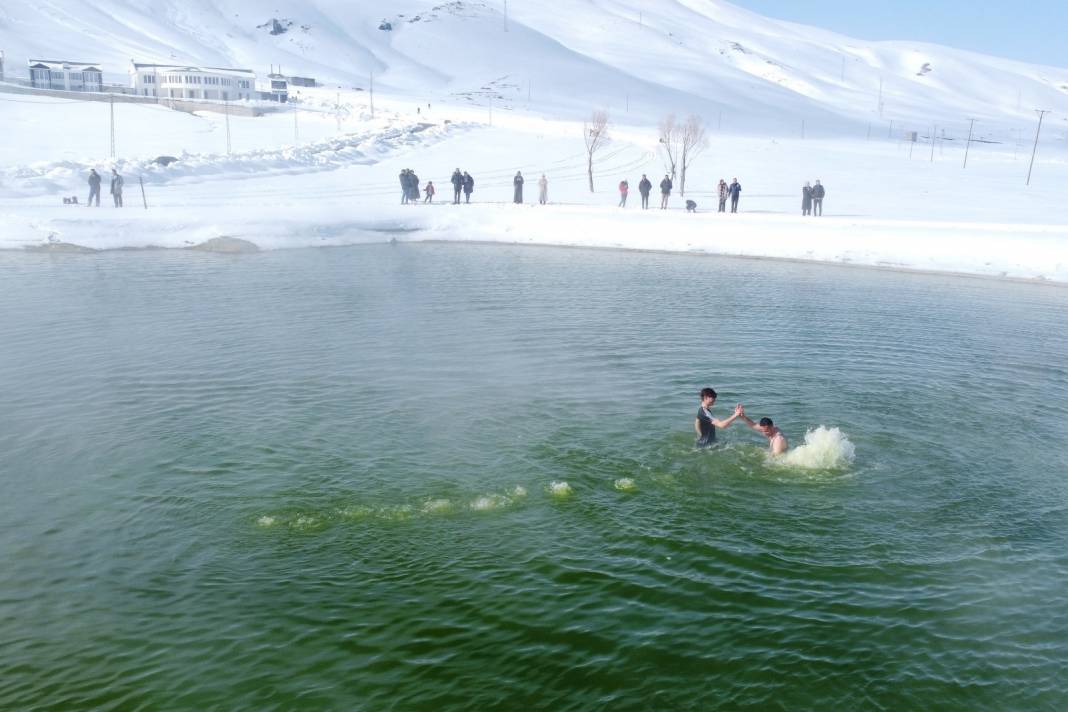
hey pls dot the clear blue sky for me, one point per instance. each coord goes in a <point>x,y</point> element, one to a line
<point>1028,30</point>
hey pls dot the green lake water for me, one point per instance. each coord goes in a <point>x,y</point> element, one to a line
<point>449,476</point>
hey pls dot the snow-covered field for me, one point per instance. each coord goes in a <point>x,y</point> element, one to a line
<point>506,101</point>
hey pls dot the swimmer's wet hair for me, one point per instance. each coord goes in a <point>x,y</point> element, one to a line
<point>766,421</point>
<point>708,393</point>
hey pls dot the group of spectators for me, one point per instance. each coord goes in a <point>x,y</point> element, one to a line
<point>94,188</point>
<point>463,183</point>
<point>812,199</point>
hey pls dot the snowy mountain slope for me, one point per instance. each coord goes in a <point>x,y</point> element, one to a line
<point>706,56</point>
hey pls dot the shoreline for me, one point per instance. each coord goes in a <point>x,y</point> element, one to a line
<point>232,245</point>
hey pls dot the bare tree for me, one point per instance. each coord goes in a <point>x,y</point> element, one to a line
<point>595,133</point>
<point>693,141</point>
<point>670,143</point>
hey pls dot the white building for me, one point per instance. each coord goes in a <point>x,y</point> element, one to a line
<point>66,76</point>
<point>182,82</point>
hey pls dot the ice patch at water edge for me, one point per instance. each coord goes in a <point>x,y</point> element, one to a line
<point>625,484</point>
<point>824,449</point>
<point>559,489</point>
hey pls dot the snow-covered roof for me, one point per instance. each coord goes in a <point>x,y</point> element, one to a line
<point>191,68</point>
<point>64,64</point>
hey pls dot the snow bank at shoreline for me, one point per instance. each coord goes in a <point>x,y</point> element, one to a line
<point>1035,252</point>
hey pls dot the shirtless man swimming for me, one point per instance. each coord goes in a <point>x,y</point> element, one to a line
<point>705,425</point>
<point>776,440</point>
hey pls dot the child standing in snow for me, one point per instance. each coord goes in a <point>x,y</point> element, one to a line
<point>429,190</point>
<point>624,189</point>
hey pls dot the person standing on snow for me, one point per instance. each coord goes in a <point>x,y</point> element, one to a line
<point>817,199</point>
<point>406,189</point>
<point>543,190</point>
<point>735,191</point>
<point>665,192</point>
<point>624,189</point>
<point>806,199</point>
<point>517,182</point>
<point>722,195</point>
<point>429,192</point>
<point>94,187</point>
<point>116,187</point>
<point>457,185</point>
<point>645,187</point>
<point>413,187</point>
<point>469,186</point>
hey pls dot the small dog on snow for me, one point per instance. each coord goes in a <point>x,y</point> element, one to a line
<point>691,207</point>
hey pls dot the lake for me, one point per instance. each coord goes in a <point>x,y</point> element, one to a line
<point>455,476</point>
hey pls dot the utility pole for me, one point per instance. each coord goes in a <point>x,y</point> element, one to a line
<point>968,145</point>
<point>372,95</point>
<point>111,107</point>
<point>1041,115</point>
<point>226,105</point>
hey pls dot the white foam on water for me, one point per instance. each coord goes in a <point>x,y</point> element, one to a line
<point>436,506</point>
<point>266,521</point>
<point>824,449</point>
<point>625,484</point>
<point>560,489</point>
<point>304,522</point>
<point>355,512</point>
<point>519,491</point>
<point>487,502</point>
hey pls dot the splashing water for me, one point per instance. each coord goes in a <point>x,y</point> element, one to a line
<point>824,449</point>
<point>625,484</point>
<point>559,489</point>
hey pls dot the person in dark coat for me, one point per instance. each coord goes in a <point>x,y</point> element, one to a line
<point>457,185</point>
<point>817,199</point>
<point>406,187</point>
<point>116,187</point>
<point>94,187</point>
<point>645,187</point>
<point>735,191</point>
<point>723,192</point>
<point>469,186</point>
<point>665,192</point>
<point>806,200</point>
<point>413,187</point>
<point>518,183</point>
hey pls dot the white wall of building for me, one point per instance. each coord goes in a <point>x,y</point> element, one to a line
<point>198,83</point>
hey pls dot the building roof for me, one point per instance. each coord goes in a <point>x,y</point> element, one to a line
<point>190,68</point>
<point>60,64</point>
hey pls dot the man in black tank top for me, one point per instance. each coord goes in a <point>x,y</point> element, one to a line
<point>706,424</point>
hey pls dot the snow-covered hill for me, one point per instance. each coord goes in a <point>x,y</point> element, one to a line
<point>455,86</point>
<point>744,72</point>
